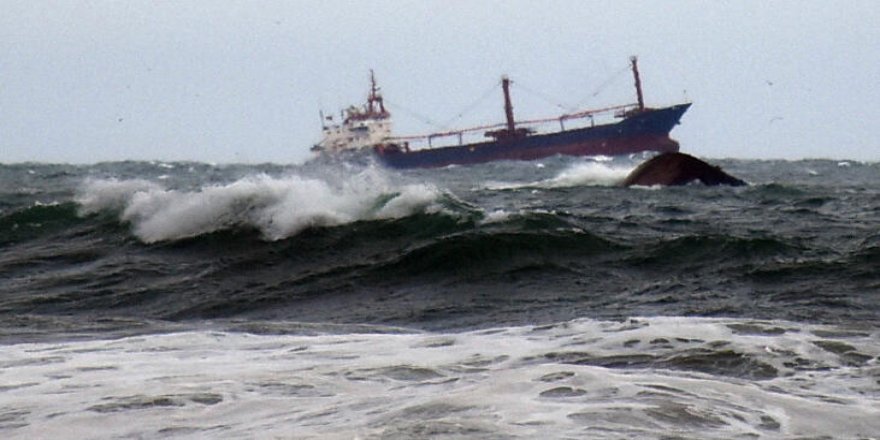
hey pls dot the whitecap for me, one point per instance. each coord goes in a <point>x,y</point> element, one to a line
<point>278,207</point>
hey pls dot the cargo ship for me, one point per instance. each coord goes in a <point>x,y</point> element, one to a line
<point>634,129</point>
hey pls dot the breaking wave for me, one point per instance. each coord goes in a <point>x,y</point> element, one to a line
<point>591,173</point>
<point>277,207</point>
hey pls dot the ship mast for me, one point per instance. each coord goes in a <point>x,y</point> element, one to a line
<point>508,107</point>
<point>635,70</point>
<point>374,97</point>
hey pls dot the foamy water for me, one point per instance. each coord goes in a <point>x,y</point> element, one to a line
<point>592,173</point>
<point>279,207</point>
<point>644,378</point>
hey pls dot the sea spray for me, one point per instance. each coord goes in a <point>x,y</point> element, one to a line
<point>98,195</point>
<point>579,174</point>
<point>278,207</point>
<point>589,174</point>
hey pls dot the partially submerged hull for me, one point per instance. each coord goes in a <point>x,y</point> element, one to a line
<point>674,169</point>
<point>647,130</point>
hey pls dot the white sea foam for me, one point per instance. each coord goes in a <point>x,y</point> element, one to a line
<point>110,194</point>
<point>589,173</point>
<point>593,173</point>
<point>279,207</point>
<point>579,379</point>
<point>497,216</point>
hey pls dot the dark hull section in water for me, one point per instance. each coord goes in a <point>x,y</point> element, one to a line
<point>672,169</point>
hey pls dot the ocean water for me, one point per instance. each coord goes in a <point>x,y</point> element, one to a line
<point>512,300</point>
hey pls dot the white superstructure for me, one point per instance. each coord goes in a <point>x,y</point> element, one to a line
<point>361,128</point>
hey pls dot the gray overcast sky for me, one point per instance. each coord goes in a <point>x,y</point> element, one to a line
<point>242,81</point>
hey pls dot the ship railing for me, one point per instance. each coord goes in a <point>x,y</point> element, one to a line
<point>460,133</point>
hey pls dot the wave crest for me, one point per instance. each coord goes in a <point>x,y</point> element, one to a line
<point>592,173</point>
<point>589,174</point>
<point>278,207</point>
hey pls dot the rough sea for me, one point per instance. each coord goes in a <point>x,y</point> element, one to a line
<point>514,300</point>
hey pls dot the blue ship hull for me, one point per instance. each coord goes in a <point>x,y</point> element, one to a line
<point>646,130</point>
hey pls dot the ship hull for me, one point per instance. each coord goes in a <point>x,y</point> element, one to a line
<point>645,131</point>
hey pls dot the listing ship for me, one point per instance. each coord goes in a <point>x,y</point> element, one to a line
<point>635,129</point>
